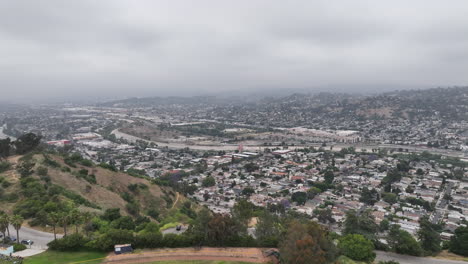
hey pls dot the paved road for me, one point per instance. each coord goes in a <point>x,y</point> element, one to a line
<point>403,259</point>
<point>40,238</point>
<point>174,231</point>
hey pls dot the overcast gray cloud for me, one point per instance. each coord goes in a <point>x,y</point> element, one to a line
<point>111,48</point>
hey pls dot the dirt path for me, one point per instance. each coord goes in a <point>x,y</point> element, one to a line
<point>175,202</point>
<point>252,255</point>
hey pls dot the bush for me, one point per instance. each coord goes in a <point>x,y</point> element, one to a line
<point>174,241</point>
<point>42,171</point>
<point>86,163</point>
<point>357,247</point>
<point>72,242</point>
<point>4,166</point>
<point>51,163</point>
<point>18,247</point>
<point>107,166</point>
<point>459,242</point>
<point>107,241</point>
<point>149,240</point>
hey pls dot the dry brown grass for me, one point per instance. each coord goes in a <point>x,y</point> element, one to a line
<point>106,192</point>
<point>444,254</point>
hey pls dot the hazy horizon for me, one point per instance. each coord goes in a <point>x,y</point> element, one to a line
<point>99,50</point>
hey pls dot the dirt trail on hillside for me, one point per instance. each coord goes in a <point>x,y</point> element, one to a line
<point>253,255</point>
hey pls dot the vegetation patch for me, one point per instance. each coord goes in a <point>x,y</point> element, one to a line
<point>58,257</point>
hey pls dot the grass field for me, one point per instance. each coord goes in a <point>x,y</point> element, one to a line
<point>56,257</point>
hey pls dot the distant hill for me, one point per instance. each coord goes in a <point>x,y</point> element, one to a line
<point>172,100</point>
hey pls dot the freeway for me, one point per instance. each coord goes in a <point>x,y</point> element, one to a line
<point>335,146</point>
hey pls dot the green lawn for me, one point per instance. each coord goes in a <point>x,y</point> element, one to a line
<point>57,257</point>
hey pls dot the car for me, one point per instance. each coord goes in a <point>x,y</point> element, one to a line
<point>178,228</point>
<point>10,239</point>
<point>27,242</point>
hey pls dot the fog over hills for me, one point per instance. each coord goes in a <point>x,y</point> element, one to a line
<point>98,50</point>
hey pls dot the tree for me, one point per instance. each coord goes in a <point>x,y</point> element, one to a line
<point>250,167</point>
<point>87,217</point>
<point>17,222</point>
<point>54,219</point>
<point>390,198</point>
<point>268,229</point>
<point>299,197</point>
<point>324,215</point>
<point>26,143</point>
<point>200,228</point>
<point>369,196</point>
<point>111,214</point>
<point>221,228</point>
<point>248,191</point>
<point>429,235</point>
<point>64,221</point>
<point>75,219</point>
<point>357,247</point>
<point>312,192</point>
<point>208,182</point>
<point>329,177</point>
<point>124,222</point>
<point>242,212</point>
<point>4,222</point>
<point>403,242</point>
<point>306,243</point>
<point>5,146</point>
<point>392,176</point>
<point>362,223</point>
<point>384,225</point>
<point>459,241</point>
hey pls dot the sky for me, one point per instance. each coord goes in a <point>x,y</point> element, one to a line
<point>88,49</point>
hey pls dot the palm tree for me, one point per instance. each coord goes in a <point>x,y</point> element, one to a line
<point>4,222</point>
<point>54,220</point>
<point>75,218</point>
<point>17,222</point>
<point>64,220</point>
<point>8,218</point>
<point>86,217</point>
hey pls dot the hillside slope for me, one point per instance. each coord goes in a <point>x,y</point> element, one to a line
<point>91,187</point>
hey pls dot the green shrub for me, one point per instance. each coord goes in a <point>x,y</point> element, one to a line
<point>42,171</point>
<point>86,163</point>
<point>107,166</point>
<point>107,241</point>
<point>51,163</point>
<point>72,242</point>
<point>357,247</point>
<point>5,184</point>
<point>4,166</point>
<point>18,247</point>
